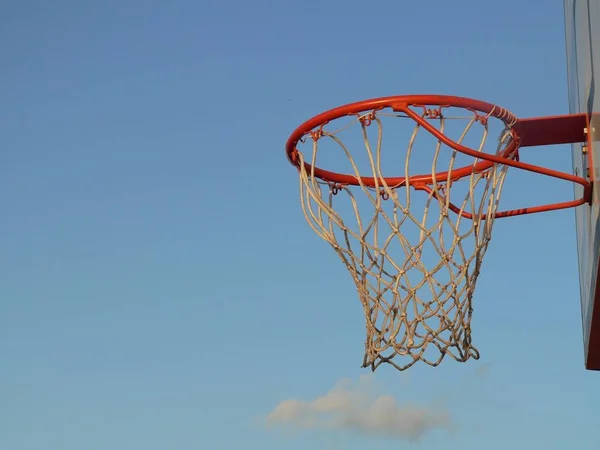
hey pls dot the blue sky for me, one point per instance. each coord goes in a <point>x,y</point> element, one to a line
<point>160,287</point>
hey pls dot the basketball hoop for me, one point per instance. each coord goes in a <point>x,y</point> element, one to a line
<point>414,243</point>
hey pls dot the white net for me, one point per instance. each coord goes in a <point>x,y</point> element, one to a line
<point>414,249</point>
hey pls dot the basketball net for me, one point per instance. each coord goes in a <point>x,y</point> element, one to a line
<point>414,249</point>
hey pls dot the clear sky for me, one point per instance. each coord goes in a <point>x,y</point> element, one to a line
<point>160,288</point>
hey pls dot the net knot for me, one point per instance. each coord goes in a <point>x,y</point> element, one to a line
<point>479,117</point>
<point>431,113</point>
<point>317,134</point>
<point>367,119</point>
<point>335,188</point>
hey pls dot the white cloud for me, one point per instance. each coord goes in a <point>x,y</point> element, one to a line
<point>356,407</point>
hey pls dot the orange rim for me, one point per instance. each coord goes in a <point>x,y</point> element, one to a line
<point>532,128</point>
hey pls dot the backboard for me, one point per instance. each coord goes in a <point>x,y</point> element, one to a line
<point>582,26</point>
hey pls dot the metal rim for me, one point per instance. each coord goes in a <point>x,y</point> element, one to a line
<point>537,131</point>
<point>403,103</point>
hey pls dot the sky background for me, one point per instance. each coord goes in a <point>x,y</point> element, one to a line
<point>160,288</point>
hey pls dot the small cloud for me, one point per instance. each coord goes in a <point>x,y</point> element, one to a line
<point>356,407</point>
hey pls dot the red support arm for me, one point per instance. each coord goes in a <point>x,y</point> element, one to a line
<point>551,130</point>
